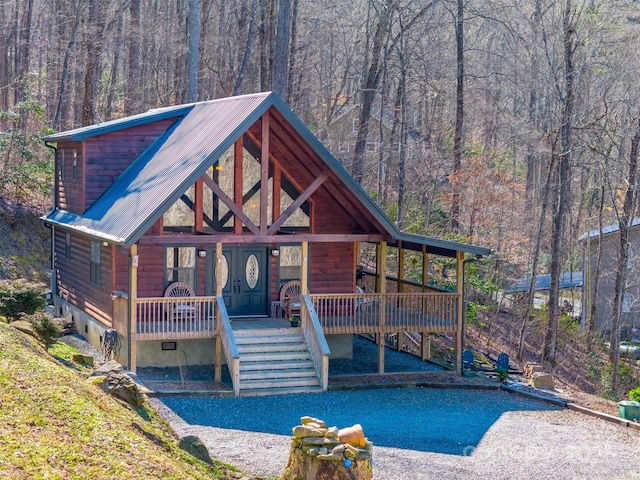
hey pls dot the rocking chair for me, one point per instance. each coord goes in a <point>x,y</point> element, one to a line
<point>290,299</point>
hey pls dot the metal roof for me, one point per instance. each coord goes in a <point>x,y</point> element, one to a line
<point>543,282</point>
<point>154,181</point>
<point>608,230</point>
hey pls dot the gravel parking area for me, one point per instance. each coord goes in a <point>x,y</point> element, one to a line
<point>418,433</point>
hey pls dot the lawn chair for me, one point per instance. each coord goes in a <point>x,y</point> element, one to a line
<point>468,361</point>
<point>503,362</point>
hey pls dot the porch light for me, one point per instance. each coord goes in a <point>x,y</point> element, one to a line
<point>202,253</point>
<point>275,252</point>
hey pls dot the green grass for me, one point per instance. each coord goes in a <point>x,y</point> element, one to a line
<point>56,425</point>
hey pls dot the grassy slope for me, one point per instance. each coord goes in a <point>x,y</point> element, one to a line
<point>55,424</point>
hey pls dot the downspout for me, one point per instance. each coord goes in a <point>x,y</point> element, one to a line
<point>53,284</point>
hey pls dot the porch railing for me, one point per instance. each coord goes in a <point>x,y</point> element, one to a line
<point>175,318</point>
<point>315,340</point>
<point>229,345</point>
<point>386,313</point>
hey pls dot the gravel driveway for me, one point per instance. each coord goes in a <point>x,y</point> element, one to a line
<point>418,433</point>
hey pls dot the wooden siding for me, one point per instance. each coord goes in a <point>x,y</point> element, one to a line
<point>332,268</point>
<point>107,156</point>
<point>69,189</point>
<point>73,277</point>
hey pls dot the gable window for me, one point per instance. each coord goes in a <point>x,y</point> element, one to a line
<point>74,171</point>
<point>355,124</point>
<point>371,147</point>
<point>180,265</point>
<point>67,245</point>
<point>61,164</point>
<point>94,271</point>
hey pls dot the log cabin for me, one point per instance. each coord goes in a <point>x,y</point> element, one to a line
<point>182,231</point>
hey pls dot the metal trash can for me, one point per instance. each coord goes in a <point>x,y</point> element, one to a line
<point>629,410</point>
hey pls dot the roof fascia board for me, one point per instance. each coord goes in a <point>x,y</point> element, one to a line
<point>80,134</point>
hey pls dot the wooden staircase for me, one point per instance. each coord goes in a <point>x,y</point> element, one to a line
<point>275,361</point>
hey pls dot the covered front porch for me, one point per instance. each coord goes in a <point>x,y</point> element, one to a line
<point>338,315</point>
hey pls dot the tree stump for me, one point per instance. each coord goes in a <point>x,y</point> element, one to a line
<point>317,453</point>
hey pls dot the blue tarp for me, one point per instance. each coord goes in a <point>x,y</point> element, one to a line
<point>543,282</point>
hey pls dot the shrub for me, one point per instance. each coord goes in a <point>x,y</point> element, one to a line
<point>634,394</point>
<point>19,297</point>
<point>46,328</point>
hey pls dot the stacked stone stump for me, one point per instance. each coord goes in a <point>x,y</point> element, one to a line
<point>322,453</point>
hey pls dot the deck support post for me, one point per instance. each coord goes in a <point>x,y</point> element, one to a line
<point>133,295</point>
<point>304,275</point>
<point>217,371</point>
<point>460,312</point>
<point>425,347</point>
<point>381,287</point>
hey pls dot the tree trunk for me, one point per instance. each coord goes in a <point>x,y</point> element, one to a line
<point>193,56</point>
<point>237,89</point>
<point>369,89</point>
<point>563,179</point>
<point>458,139</point>
<point>65,68</point>
<point>132,82</point>
<point>281,57</point>
<point>93,68</point>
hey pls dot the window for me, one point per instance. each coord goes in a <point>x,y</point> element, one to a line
<point>94,273</point>
<point>67,245</point>
<point>343,147</point>
<point>180,265</point>
<point>371,147</point>
<point>355,124</point>
<point>290,263</point>
<point>75,165</point>
<point>61,164</point>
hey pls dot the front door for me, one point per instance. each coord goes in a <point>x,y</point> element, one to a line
<point>244,275</point>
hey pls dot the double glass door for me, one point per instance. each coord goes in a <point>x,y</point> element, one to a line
<point>244,278</point>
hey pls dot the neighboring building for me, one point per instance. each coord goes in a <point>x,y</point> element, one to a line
<point>609,241</point>
<point>341,134</point>
<point>169,223</point>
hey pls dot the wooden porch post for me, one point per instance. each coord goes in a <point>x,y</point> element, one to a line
<point>381,287</point>
<point>217,373</point>
<point>400,336</point>
<point>425,279</point>
<point>460,322</point>
<point>133,295</point>
<point>304,275</point>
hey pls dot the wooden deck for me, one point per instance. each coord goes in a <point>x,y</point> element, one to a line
<point>195,317</point>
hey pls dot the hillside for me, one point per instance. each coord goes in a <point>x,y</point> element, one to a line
<point>54,424</point>
<point>24,244</point>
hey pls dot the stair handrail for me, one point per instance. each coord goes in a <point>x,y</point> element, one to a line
<point>315,340</point>
<point>229,345</point>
